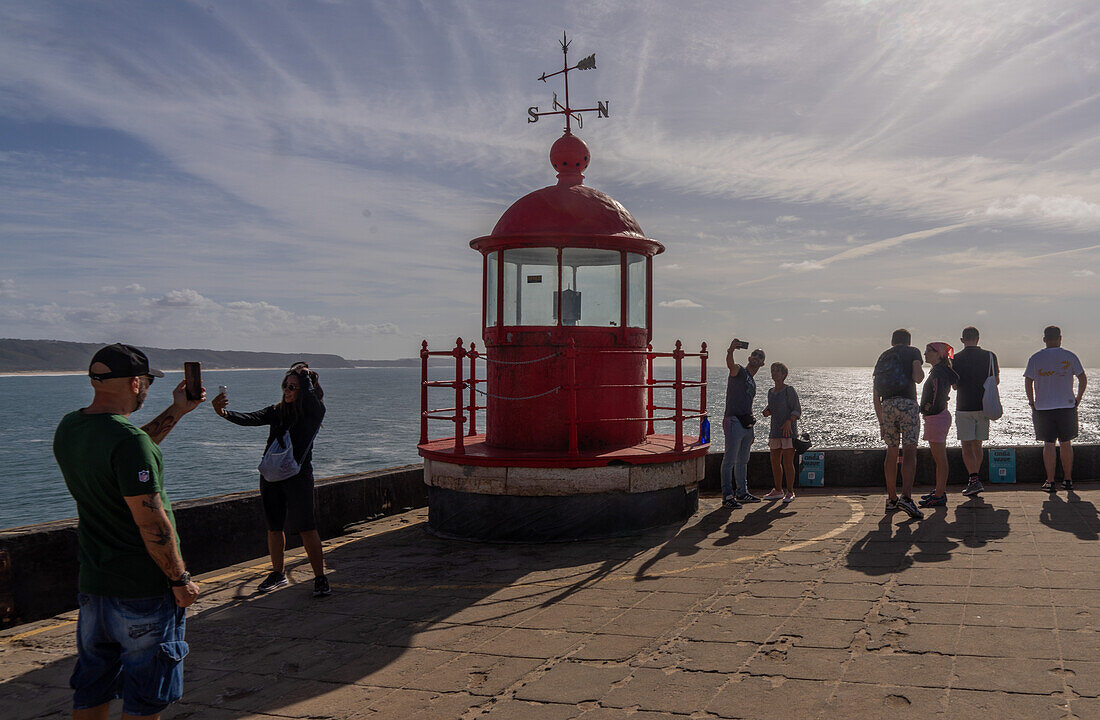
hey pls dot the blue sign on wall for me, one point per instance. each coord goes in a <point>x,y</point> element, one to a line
<point>813,470</point>
<point>1002,465</point>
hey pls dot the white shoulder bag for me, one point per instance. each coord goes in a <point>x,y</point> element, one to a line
<point>278,462</point>
<point>991,397</point>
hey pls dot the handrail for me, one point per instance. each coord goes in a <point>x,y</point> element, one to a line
<point>462,413</point>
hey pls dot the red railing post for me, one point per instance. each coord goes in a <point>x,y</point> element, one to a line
<point>459,353</point>
<point>703,355</point>
<point>473,389</point>
<point>571,356</point>
<point>424,392</point>
<point>678,354</point>
<point>649,408</point>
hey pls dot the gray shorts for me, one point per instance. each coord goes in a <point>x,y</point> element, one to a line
<point>971,425</point>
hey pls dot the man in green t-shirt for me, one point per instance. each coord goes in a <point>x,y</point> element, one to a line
<point>133,583</point>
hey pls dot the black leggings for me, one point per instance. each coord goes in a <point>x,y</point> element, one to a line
<point>289,503</point>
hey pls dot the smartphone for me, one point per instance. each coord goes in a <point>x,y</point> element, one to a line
<point>223,390</point>
<point>742,345</point>
<point>192,374</point>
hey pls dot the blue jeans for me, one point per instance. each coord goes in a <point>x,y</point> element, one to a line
<point>131,648</point>
<point>735,461</point>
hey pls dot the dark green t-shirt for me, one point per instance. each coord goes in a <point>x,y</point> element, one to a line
<point>104,459</point>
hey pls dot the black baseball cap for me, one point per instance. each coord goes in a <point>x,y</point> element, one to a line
<point>123,361</point>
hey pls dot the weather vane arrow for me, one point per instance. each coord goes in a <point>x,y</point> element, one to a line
<point>570,113</point>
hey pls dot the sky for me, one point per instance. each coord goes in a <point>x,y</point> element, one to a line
<point>307,176</point>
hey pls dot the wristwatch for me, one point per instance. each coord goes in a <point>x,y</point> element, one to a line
<point>184,580</point>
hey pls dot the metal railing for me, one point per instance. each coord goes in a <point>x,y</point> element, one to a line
<point>572,353</point>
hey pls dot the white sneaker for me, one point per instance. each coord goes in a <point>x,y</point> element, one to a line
<point>788,497</point>
<point>774,495</point>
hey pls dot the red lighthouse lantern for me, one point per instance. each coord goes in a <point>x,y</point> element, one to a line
<point>569,449</point>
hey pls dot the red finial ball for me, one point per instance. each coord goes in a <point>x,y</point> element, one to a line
<point>569,156</point>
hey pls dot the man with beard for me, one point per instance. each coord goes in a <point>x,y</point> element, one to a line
<point>133,584</point>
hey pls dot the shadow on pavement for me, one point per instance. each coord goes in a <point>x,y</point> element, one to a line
<point>403,603</point>
<point>753,523</point>
<point>1072,515</point>
<point>894,546</point>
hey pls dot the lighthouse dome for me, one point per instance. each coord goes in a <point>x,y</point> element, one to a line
<point>569,210</point>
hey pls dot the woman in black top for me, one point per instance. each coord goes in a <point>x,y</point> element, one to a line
<point>937,418</point>
<point>289,501</point>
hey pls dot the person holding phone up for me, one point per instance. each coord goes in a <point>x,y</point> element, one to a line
<point>289,502</point>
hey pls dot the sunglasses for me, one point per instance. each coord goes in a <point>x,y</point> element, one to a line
<point>290,387</point>
<point>149,379</point>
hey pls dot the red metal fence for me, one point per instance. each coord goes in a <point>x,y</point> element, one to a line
<point>458,416</point>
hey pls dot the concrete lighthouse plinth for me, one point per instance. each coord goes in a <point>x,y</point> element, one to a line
<point>513,502</point>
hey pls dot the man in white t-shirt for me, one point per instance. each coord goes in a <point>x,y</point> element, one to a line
<point>1048,381</point>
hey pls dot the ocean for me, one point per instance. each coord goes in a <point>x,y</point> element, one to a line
<point>373,422</point>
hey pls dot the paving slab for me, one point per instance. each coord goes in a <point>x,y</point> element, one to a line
<point>825,609</point>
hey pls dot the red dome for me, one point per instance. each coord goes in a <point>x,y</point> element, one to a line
<point>567,210</point>
<point>568,214</point>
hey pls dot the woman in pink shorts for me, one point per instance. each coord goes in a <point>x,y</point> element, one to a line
<point>937,418</point>
<point>784,411</point>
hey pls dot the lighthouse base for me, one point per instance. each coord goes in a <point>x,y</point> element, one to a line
<point>545,499</point>
<point>555,518</point>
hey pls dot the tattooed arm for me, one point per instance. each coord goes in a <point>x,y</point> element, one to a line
<point>159,427</point>
<point>160,542</point>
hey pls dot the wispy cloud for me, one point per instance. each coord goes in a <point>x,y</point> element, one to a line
<point>865,309</point>
<point>681,303</point>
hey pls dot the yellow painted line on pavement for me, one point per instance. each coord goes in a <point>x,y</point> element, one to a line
<point>20,636</point>
<point>854,519</point>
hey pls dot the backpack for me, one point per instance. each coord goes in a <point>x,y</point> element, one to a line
<point>892,378</point>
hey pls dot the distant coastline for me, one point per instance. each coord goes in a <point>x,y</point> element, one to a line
<point>59,357</point>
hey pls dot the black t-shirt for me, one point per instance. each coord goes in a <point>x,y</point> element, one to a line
<point>972,365</point>
<point>937,389</point>
<point>894,373</point>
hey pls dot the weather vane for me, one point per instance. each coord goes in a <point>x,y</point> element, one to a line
<point>588,63</point>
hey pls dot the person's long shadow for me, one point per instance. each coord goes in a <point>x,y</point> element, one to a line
<point>401,600</point>
<point>686,542</point>
<point>754,523</point>
<point>896,546</point>
<point>1072,515</point>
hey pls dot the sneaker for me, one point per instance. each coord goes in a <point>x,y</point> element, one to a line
<point>774,495</point>
<point>910,507</point>
<point>1049,486</point>
<point>320,587</point>
<point>747,498</point>
<point>787,498</point>
<point>891,505</point>
<point>928,495</point>
<point>934,501</point>
<point>1067,484</point>
<point>973,488</point>
<point>272,581</point>
<point>731,504</point>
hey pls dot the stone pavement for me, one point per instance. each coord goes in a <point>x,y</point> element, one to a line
<point>989,608</point>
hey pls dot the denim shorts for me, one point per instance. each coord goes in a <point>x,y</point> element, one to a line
<point>129,648</point>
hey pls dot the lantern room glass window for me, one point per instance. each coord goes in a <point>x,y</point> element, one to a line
<point>491,289</point>
<point>591,287</point>
<point>636,290</point>
<point>530,286</point>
